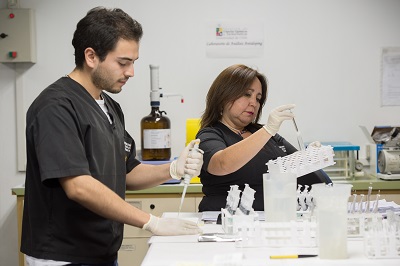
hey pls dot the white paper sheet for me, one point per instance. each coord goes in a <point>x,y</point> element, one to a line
<point>390,90</point>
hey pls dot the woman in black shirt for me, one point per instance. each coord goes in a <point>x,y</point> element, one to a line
<point>236,147</point>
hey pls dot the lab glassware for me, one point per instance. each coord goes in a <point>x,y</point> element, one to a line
<point>331,212</point>
<point>155,129</point>
<point>280,197</point>
<point>299,137</point>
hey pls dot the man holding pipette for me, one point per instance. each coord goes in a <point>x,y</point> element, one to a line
<point>81,160</point>
<point>236,147</point>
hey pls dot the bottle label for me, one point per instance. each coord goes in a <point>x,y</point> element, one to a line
<point>157,138</point>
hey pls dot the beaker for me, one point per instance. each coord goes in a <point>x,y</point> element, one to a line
<point>331,212</point>
<point>280,197</point>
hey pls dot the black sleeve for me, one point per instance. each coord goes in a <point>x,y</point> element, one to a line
<point>130,153</point>
<point>211,141</point>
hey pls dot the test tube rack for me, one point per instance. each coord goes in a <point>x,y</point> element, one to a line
<point>289,234</point>
<point>382,238</point>
<point>303,162</point>
<point>238,222</point>
<point>283,234</point>
<point>253,233</point>
<point>357,223</point>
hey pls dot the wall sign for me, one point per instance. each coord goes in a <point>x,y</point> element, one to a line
<point>232,39</point>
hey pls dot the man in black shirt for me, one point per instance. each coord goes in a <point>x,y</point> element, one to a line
<point>80,159</point>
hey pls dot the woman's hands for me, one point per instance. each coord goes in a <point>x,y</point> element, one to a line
<point>277,116</point>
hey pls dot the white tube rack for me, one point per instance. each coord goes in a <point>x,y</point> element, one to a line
<point>238,222</point>
<point>357,223</point>
<point>303,162</point>
<point>253,233</point>
<point>382,238</point>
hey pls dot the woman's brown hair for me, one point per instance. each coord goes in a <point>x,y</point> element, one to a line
<point>231,84</point>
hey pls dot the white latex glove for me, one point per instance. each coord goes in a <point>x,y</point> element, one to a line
<point>277,116</point>
<point>171,226</point>
<point>315,144</point>
<point>189,162</point>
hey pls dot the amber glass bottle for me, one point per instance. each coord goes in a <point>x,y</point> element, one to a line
<point>156,136</point>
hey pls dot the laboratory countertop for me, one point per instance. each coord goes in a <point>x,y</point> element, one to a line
<point>359,183</point>
<point>186,250</point>
<point>161,189</point>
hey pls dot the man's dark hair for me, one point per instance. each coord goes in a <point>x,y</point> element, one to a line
<point>101,29</point>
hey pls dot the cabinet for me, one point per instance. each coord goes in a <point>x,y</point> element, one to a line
<point>134,246</point>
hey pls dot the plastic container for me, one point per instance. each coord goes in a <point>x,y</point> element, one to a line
<point>331,212</point>
<point>280,197</point>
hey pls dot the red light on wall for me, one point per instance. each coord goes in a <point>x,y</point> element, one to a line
<point>11,15</point>
<point>12,54</point>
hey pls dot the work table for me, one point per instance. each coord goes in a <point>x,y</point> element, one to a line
<point>166,198</point>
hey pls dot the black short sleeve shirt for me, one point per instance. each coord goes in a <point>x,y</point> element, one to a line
<point>215,188</point>
<point>67,134</point>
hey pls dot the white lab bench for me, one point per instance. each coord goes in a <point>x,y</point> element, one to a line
<point>166,198</point>
<point>186,250</point>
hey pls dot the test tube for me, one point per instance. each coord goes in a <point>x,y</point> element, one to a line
<point>353,204</point>
<point>360,203</point>
<point>368,199</point>
<point>375,208</point>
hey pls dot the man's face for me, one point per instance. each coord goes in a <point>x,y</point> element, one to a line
<point>111,74</point>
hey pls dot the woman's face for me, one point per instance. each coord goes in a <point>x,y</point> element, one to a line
<point>245,109</point>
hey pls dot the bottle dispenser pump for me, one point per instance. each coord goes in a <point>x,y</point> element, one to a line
<point>156,127</point>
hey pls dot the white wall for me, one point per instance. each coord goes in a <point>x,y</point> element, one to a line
<point>322,55</point>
